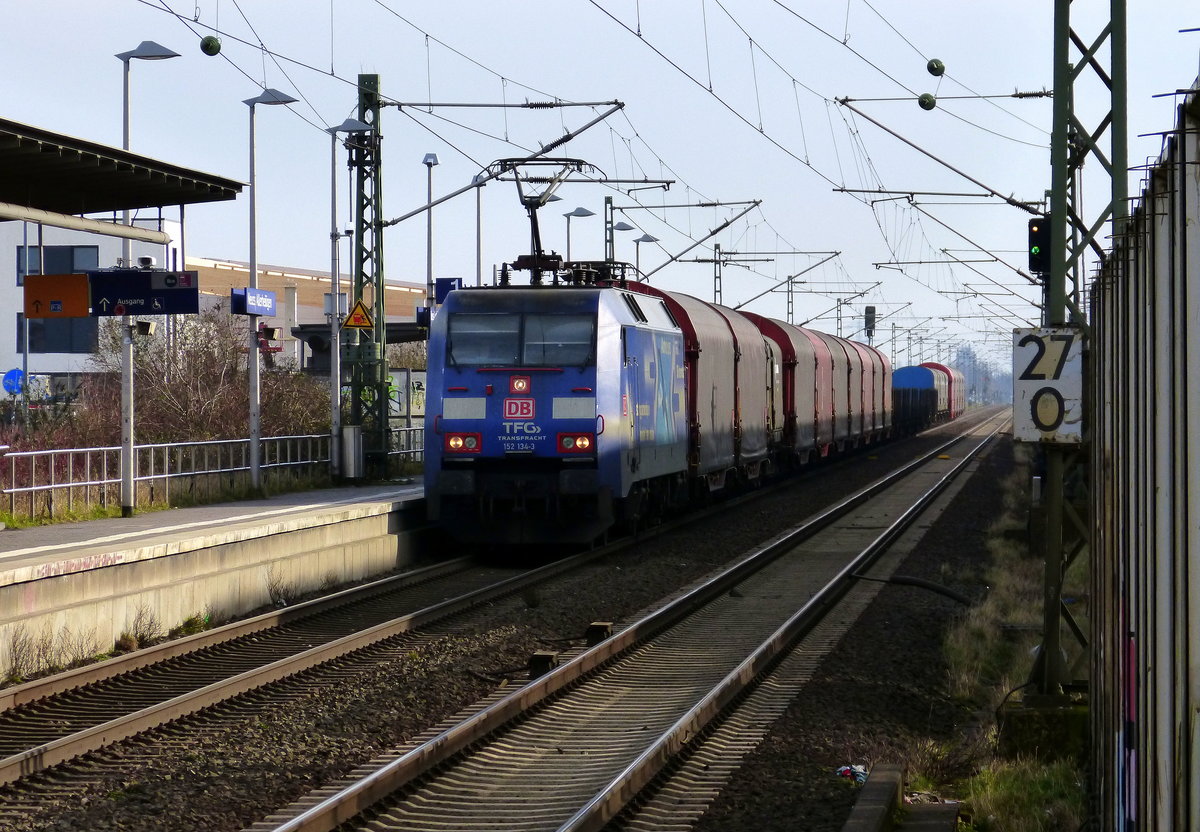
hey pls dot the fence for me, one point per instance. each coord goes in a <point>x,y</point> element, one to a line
<point>1145,692</point>
<point>53,482</point>
<point>406,445</point>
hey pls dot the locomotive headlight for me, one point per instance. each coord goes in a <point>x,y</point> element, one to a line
<point>464,443</point>
<point>575,443</point>
<point>518,384</point>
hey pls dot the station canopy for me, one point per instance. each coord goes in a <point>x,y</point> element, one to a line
<point>46,171</point>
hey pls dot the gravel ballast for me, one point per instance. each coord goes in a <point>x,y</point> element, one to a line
<point>877,696</point>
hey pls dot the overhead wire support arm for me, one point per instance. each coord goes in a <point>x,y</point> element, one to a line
<point>845,102</point>
<point>840,303</point>
<point>732,261</point>
<point>789,279</point>
<point>978,247</point>
<point>528,105</point>
<point>539,180</point>
<point>483,179</point>
<point>915,193</point>
<point>750,207</point>
<point>1014,94</point>
<point>789,251</point>
<point>890,263</point>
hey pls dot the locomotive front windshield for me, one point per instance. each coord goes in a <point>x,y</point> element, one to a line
<point>531,339</point>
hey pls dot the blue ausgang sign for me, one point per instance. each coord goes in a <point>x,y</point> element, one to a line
<point>144,292</point>
<point>252,302</point>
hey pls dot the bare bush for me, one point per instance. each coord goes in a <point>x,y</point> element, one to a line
<point>21,654</point>
<point>78,648</point>
<point>47,651</point>
<point>146,628</point>
<point>194,391</point>
<point>281,592</point>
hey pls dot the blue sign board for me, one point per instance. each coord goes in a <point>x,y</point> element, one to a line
<point>444,286</point>
<point>14,381</point>
<point>144,292</point>
<point>252,302</point>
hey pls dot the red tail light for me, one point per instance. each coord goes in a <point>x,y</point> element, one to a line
<point>463,443</point>
<point>576,443</point>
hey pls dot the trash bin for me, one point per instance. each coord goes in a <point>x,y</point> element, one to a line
<point>352,452</point>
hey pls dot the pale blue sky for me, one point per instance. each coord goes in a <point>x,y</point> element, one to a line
<point>768,130</point>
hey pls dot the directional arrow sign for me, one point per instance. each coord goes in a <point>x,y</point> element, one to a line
<point>144,292</point>
<point>56,296</point>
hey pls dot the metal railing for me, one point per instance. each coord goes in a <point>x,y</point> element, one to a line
<point>406,444</point>
<point>51,482</point>
<point>54,482</point>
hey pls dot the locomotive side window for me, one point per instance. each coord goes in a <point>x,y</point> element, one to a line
<point>480,339</point>
<point>558,340</point>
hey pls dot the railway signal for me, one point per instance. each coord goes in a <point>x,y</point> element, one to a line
<point>1039,245</point>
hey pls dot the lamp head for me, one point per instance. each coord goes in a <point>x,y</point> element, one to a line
<point>580,212</point>
<point>270,95</point>
<point>430,159</point>
<point>646,238</point>
<point>350,125</point>
<point>148,50</point>
<point>623,226</point>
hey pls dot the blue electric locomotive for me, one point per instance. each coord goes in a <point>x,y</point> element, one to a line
<point>553,409</point>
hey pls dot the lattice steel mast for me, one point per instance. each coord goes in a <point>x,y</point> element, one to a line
<point>367,350</point>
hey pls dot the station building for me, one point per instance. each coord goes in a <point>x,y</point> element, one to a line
<point>61,349</point>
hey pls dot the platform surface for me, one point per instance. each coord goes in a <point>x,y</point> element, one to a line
<point>41,551</point>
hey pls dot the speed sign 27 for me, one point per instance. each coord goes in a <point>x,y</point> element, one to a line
<point>1048,385</point>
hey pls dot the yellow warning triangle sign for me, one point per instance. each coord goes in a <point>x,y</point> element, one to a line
<point>359,317</point>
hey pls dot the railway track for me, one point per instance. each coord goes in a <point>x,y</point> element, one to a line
<point>104,704</point>
<point>570,750</point>
<point>48,721</point>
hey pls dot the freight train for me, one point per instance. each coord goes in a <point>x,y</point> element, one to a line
<point>925,395</point>
<point>554,412</point>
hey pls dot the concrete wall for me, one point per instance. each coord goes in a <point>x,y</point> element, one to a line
<point>83,600</point>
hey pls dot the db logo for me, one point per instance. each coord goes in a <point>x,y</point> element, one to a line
<point>518,409</point>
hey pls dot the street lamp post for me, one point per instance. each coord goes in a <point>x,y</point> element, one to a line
<point>637,250</point>
<point>253,358</point>
<point>578,212</point>
<point>147,50</point>
<point>430,161</point>
<point>350,125</point>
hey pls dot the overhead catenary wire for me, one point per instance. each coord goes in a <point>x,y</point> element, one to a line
<point>863,168</point>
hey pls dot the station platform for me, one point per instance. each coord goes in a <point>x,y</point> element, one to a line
<point>89,581</point>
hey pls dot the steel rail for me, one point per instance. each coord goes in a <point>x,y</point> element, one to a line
<point>624,787</point>
<point>90,674</point>
<point>109,732</point>
<point>355,798</point>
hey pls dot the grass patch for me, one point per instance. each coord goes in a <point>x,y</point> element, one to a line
<point>25,521</point>
<point>1026,796</point>
<point>989,653</point>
